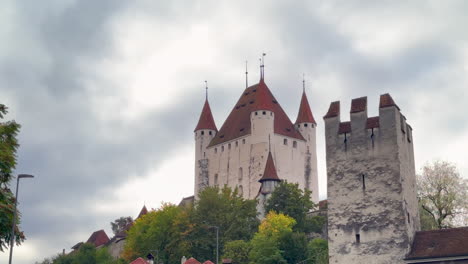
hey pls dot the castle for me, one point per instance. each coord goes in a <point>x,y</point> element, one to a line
<point>257,128</point>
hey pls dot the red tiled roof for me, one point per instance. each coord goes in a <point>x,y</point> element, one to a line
<point>139,261</point>
<point>440,243</point>
<point>334,110</point>
<point>192,261</point>
<point>270,171</point>
<point>386,100</point>
<point>98,238</point>
<point>305,114</point>
<point>208,262</point>
<point>254,98</point>
<point>206,120</point>
<point>142,212</point>
<point>372,122</point>
<point>345,127</point>
<point>358,104</point>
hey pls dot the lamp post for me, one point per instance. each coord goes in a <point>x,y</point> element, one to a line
<point>217,243</point>
<point>12,237</point>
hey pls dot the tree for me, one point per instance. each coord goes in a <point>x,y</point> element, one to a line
<point>225,209</point>
<point>8,146</point>
<point>289,199</point>
<point>293,246</point>
<point>318,251</point>
<point>266,242</point>
<point>238,251</point>
<point>442,193</point>
<point>121,224</point>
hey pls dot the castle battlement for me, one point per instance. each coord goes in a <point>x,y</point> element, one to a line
<point>365,131</point>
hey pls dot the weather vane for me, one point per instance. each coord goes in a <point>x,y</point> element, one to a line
<point>206,88</point>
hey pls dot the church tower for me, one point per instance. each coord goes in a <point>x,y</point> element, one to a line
<point>204,133</point>
<point>372,206</point>
<point>306,125</point>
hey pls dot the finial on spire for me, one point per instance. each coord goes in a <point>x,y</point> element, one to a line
<point>303,82</point>
<point>206,89</point>
<point>262,66</point>
<point>246,76</point>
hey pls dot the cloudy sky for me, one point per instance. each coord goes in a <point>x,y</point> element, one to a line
<point>108,92</point>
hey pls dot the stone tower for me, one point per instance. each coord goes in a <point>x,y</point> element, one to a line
<point>372,206</point>
<point>204,133</point>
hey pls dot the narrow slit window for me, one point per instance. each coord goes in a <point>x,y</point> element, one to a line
<point>294,144</point>
<point>345,142</point>
<point>237,144</point>
<point>203,133</point>
<point>409,221</point>
<point>229,146</point>
<point>256,113</point>
<point>210,133</point>
<point>222,148</point>
<point>285,141</point>
<point>264,113</point>
<point>358,238</point>
<point>243,141</point>
<point>363,182</point>
<point>216,150</point>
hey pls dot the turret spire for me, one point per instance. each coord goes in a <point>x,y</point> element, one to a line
<point>305,114</point>
<point>206,120</point>
<point>270,173</point>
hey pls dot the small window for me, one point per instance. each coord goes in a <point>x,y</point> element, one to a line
<point>271,113</point>
<point>204,154</point>
<point>229,146</point>
<point>243,141</point>
<point>305,124</point>
<point>216,150</point>
<point>312,125</point>
<point>237,144</point>
<point>294,144</point>
<point>210,133</point>
<point>264,113</point>
<point>363,182</point>
<point>216,179</point>
<point>358,238</point>
<point>409,221</point>
<point>222,148</point>
<point>256,113</point>
<point>285,141</point>
<point>203,133</point>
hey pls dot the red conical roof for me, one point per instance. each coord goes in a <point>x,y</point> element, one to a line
<point>254,98</point>
<point>206,120</point>
<point>305,114</point>
<point>270,171</point>
<point>143,211</point>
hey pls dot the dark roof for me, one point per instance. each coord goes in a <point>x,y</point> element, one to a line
<point>98,238</point>
<point>373,122</point>
<point>206,120</point>
<point>270,171</point>
<point>187,201</point>
<point>142,212</point>
<point>451,242</point>
<point>192,261</point>
<point>333,110</point>
<point>386,100</point>
<point>358,104</point>
<point>305,114</point>
<point>254,98</point>
<point>345,127</point>
<point>139,261</point>
<point>77,246</point>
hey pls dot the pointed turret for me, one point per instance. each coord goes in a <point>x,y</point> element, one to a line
<point>206,120</point>
<point>142,212</point>
<point>270,173</point>
<point>305,114</point>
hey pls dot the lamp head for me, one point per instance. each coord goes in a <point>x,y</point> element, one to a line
<point>20,176</point>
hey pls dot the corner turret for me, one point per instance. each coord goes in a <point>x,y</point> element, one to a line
<point>269,181</point>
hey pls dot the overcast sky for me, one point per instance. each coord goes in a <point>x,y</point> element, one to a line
<point>108,92</point>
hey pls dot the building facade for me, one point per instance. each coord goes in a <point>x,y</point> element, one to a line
<point>237,154</point>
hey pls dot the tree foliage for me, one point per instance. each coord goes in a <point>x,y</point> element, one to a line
<point>120,224</point>
<point>442,194</point>
<point>8,146</point>
<point>289,199</point>
<point>318,251</point>
<point>238,251</point>
<point>87,254</point>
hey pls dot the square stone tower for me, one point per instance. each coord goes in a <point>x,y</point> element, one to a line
<point>372,205</point>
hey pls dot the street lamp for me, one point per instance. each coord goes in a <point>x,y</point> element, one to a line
<point>12,237</point>
<point>217,242</point>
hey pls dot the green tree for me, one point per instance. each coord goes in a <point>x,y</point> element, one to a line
<point>293,246</point>
<point>318,251</point>
<point>238,251</point>
<point>8,146</point>
<point>289,199</point>
<point>266,242</point>
<point>156,232</point>
<point>224,208</point>
<point>121,224</point>
<point>442,194</point>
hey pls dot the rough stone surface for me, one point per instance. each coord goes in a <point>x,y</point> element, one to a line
<point>372,206</point>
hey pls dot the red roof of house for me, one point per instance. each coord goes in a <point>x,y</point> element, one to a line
<point>270,171</point>
<point>450,242</point>
<point>142,212</point>
<point>358,104</point>
<point>386,100</point>
<point>334,110</point>
<point>305,114</point>
<point>98,238</point>
<point>208,262</point>
<point>192,261</point>
<point>206,120</point>
<point>139,261</point>
<point>254,98</point>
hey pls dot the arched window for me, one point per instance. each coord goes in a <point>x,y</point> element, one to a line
<point>241,190</point>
